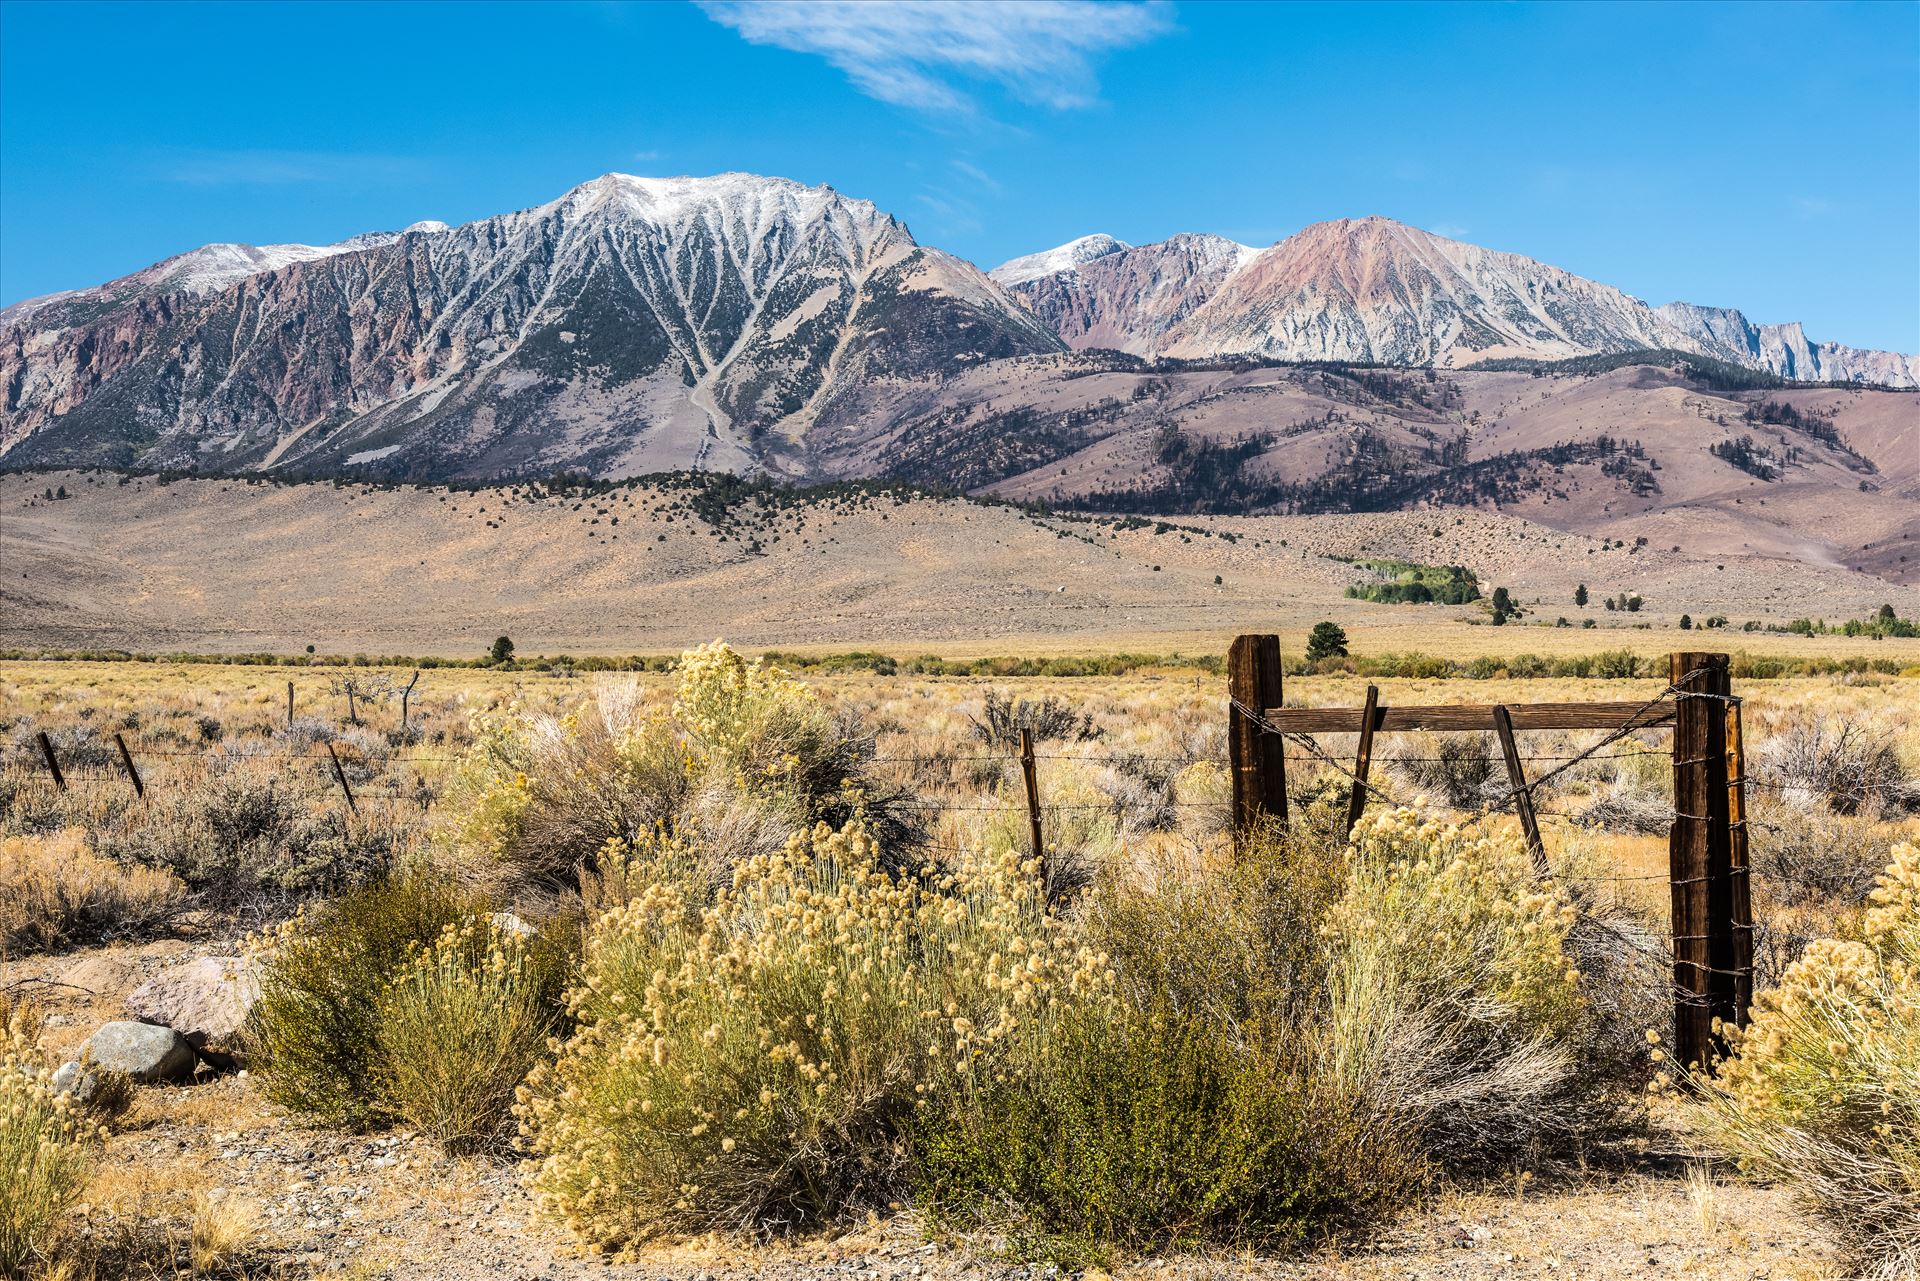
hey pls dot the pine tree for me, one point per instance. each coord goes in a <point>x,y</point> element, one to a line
<point>1580,595</point>
<point>1327,640</point>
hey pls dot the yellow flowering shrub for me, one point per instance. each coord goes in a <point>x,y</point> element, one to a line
<point>47,1147</point>
<point>458,1029</point>
<point>1822,1089</point>
<point>741,758</point>
<point>751,1058</point>
<point>1451,994</point>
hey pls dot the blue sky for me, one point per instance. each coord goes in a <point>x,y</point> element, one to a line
<point>1760,156</point>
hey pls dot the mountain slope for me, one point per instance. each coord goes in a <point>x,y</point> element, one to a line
<point>633,324</point>
<point>1375,291</point>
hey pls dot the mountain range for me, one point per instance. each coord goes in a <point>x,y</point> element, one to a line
<point>753,324</point>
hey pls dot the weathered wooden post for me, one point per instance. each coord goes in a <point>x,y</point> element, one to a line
<point>1522,796</point>
<point>1363,759</point>
<point>1033,795</point>
<point>405,695</point>
<point>1740,869</point>
<point>53,762</point>
<point>126,759</point>
<point>289,704</point>
<point>341,775</point>
<point>1705,961</point>
<point>1256,759</point>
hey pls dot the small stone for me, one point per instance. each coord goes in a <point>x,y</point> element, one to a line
<point>73,1078</point>
<point>141,1050</point>
<point>508,923</point>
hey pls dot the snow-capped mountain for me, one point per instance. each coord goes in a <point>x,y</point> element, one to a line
<point>633,324</point>
<point>1075,253</point>
<point>1378,291</point>
<point>749,324</point>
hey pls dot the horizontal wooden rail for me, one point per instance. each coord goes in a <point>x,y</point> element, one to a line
<point>1347,720</point>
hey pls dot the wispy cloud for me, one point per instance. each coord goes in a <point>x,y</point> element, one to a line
<point>280,168</point>
<point>920,53</point>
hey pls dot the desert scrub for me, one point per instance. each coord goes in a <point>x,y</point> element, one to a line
<point>743,753</point>
<point>329,980</point>
<point>47,1147</point>
<point>751,1058</point>
<point>1191,1107</point>
<point>458,1028</point>
<point>1822,1088</point>
<point>1452,1001</point>
<point>55,890</point>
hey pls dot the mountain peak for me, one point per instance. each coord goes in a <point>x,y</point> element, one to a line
<point>1060,258</point>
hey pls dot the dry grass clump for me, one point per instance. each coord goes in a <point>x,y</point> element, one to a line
<point>1453,1002</point>
<point>1460,769</point>
<point>751,1059</point>
<point>745,755</point>
<point>47,1146</point>
<point>1822,1088</point>
<point>458,1029</point>
<point>55,890</point>
<point>1845,765</point>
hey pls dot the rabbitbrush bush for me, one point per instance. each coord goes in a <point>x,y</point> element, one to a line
<point>1191,1106</point>
<point>1822,1088</point>
<point>46,1148</point>
<point>459,1028</point>
<point>752,1058</point>
<point>1452,1001</point>
<point>744,754</point>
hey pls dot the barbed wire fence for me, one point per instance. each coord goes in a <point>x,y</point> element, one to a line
<point>367,781</point>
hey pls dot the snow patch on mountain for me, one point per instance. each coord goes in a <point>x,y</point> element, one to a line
<point>1049,262</point>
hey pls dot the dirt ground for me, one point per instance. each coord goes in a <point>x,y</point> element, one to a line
<point>224,566</point>
<point>387,1206</point>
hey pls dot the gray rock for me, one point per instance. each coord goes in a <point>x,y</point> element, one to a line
<point>206,1001</point>
<point>508,923</point>
<point>73,1078</point>
<point>143,1051</point>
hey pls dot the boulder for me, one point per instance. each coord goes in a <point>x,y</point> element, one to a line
<point>206,1001</point>
<point>144,1052</point>
<point>508,923</point>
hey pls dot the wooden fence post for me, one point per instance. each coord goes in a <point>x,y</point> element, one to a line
<point>1739,868</point>
<point>1705,963</point>
<point>126,759</point>
<point>340,774</point>
<point>1362,759</point>
<point>405,695</point>
<point>53,762</point>
<point>1033,795</point>
<point>289,704</point>
<point>1258,765</point>
<point>1522,798</point>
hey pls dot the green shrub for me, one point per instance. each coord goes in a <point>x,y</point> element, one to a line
<point>458,1030</point>
<point>750,1059</point>
<point>315,1029</point>
<point>1192,1108</point>
<point>1822,1091</point>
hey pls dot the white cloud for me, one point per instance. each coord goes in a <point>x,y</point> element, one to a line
<point>914,52</point>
